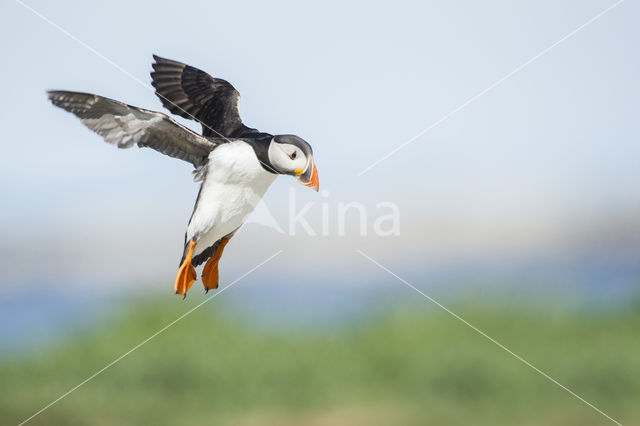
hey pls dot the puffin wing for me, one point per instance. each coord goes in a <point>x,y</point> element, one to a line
<point>125,125</point>
<point>191,93</point>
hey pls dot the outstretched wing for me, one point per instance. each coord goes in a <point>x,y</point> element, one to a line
<point>125,125</point>
<point>190,93</point>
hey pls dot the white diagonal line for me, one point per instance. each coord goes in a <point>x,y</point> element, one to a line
<point>133,349</point>
<point>106,59</point>
<point>491,339</point>
<point>490,87</point>
<point>119,68</point>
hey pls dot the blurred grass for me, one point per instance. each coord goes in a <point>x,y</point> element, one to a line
<point>404,368</point>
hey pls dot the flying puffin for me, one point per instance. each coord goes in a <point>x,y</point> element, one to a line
<point>234,163</point>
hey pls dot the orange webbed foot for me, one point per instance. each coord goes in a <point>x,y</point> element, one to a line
<point>186,273</point>
<point>210,273</point>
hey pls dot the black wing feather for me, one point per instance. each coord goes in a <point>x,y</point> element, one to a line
<point>191,93</point>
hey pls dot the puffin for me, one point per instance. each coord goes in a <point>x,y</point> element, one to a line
<point>234,163</point>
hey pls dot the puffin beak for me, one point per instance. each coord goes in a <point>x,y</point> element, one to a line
<point>309,177</point>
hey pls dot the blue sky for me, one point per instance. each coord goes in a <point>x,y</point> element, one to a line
<point>546,159</point>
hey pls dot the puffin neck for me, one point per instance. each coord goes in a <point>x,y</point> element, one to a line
<point>260,146</point>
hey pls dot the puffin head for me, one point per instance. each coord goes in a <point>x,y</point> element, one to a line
<point>292,155</point>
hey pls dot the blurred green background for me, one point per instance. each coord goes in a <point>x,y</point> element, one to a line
<point>418,366</point>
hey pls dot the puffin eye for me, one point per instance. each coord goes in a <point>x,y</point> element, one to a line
<point>294,155</point>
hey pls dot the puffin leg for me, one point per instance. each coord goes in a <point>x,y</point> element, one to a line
<point>210,272</point>
<point>186,273</point>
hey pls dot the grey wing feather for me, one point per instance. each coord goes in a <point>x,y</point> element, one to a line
<point>125,125</point>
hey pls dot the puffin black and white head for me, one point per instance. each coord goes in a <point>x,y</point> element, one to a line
<point>292,155</point>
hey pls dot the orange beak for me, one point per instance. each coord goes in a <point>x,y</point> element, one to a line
<point>310,176</point>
